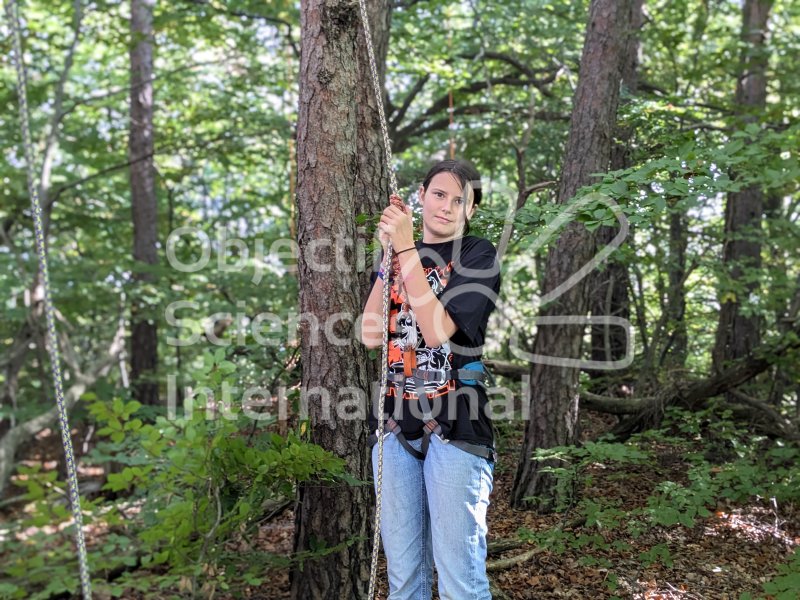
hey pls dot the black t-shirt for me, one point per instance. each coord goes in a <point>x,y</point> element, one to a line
<point>464,274</point>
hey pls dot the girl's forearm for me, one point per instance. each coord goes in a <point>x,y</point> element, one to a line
<point>372,319</point>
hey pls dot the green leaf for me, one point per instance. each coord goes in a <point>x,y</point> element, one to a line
<point>133,425</point>
<point>619,188</point>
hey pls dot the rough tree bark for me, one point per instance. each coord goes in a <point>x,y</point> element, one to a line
<point>144,207</point>
<point>738,333</point>
<point>340,173</point>
<point>554,389</point>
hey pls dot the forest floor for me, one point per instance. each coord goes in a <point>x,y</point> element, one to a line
<point>733,551</point>
<point>730,552</point>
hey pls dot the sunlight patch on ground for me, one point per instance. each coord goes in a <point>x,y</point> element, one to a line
<point>665,591</point>
<point>753,523</point>
<point>92,530</point>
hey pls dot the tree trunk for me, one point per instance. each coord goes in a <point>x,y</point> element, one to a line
<point>340,173</point>
<point>738,333</point>
<point>609,287</point>
<point>144,332</point>
<point>673,353</point>
<point>554,389</point>
<point>782,376</point>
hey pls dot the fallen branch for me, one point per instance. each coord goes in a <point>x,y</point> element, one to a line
<point>613,405</point>
<point>784,424</point>
<point>503,367</point>
<point>506,563</point>
<point>500,546</point>
<point>694,395</point>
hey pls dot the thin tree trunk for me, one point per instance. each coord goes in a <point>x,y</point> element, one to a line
<point>554,389</point>
<point>673,353</point>
<point>609,287</point>
<point>340,173</point>
<point>781,378</point>
<point>144,329</point>
<point>739,333</point>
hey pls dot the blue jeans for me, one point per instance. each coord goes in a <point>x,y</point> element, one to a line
<point>434,511</point>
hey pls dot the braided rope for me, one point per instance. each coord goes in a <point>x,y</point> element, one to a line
<point>376,87</point>
<point>12,13</point>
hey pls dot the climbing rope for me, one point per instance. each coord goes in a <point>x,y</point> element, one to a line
<point>12,13</point>
<point>376,87</point>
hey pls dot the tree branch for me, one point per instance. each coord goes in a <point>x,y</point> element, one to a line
<point>516,63</point>
<point>127,89</point>
<point>444,101</point>
<point>267,19</point>
<point>506,563</point>
<point>394,121</point>
<point>51,143</point>
<point>401,140</point>
<point>225,135</point>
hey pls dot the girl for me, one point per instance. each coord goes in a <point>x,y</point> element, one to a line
<point>438,445</point>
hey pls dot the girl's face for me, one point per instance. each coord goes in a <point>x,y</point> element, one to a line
<point>444,208</point>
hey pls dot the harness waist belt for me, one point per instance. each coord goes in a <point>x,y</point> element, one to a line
<point>462,374</point>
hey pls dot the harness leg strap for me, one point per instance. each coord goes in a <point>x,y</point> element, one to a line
<point>394,428</point>
<point>476,449</point>
<point>398,433</point>
<point>431,425</point>
<point>426,442</point>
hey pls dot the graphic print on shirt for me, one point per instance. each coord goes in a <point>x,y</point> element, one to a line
<point>438,358</point>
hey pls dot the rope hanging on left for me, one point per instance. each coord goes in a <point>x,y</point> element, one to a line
<point>12,14</point>
<point>376,88</point>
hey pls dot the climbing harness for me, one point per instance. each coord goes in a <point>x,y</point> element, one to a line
<point>12,13</point>
<point>471,374</point>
